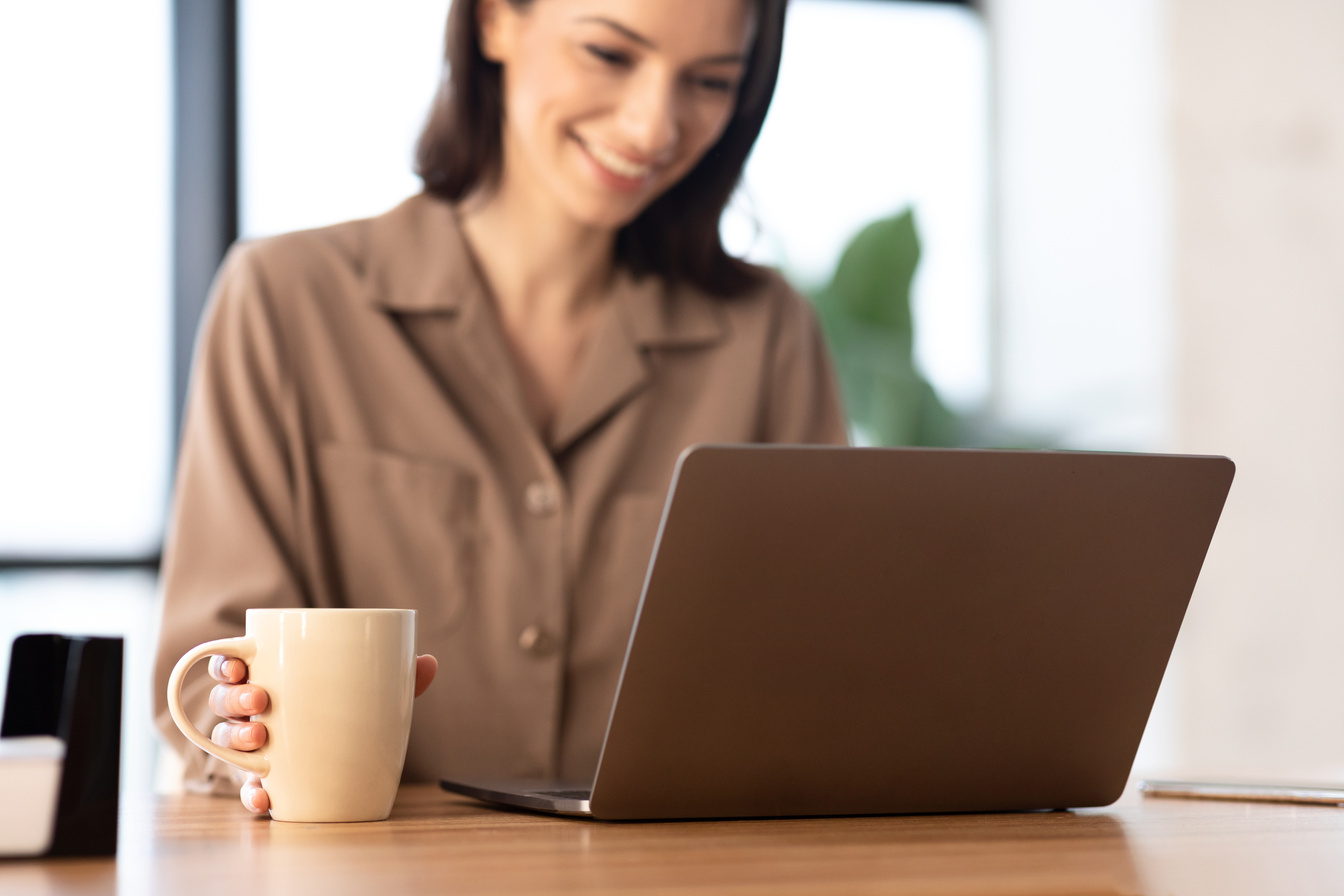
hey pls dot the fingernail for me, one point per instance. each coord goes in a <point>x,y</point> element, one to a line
<point>248,701</point>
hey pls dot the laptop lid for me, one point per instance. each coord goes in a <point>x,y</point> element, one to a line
<point>833,631</point>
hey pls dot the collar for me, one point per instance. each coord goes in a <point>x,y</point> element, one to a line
<point>419,262</point>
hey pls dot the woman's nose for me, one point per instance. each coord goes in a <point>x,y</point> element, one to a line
<point>648,116</point>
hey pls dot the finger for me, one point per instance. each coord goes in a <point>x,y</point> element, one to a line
<point>254,796</point>
<point>245,736</point>
<point>227,668</point>
<point>426,667</point>
<point>238,701</point>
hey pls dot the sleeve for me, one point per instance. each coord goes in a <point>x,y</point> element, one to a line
<point>803,404</point>
<point>231,542</point>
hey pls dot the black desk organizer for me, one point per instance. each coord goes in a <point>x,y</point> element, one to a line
<point>70,687</point>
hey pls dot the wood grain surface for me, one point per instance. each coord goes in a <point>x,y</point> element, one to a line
<point>439,843</point>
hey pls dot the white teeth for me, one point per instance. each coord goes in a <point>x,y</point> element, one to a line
<point>618,164</point>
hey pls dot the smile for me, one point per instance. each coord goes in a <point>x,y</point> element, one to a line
<point>615,163</point>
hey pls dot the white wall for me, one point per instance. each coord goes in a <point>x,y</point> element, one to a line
<point>1258,149</point>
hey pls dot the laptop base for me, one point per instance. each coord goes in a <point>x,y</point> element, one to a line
<point>553,797</point>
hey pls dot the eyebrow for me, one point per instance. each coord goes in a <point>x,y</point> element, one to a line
<point>643,41</point>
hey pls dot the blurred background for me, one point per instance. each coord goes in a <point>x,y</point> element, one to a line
<point>1105,224</point>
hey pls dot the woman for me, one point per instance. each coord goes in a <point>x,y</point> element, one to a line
<point>472,405</point>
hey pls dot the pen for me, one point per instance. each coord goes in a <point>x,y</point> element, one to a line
<point>1262,793</point>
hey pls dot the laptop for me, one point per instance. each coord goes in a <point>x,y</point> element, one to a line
<point>865,631</point>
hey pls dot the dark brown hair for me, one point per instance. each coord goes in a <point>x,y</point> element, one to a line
<point>677,236</point>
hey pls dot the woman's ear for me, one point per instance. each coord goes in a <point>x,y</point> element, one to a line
<point>495,21</point>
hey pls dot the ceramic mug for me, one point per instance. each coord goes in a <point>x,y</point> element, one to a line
<point>341,684</point>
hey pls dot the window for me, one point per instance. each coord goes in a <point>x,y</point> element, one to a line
<point>85,351</point>
<point>84,305</point>
<point>881,106</point>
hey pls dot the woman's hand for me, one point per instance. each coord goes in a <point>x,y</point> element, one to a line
<point>235,702</point>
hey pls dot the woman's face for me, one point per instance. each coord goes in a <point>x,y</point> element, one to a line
<point>608,103</point>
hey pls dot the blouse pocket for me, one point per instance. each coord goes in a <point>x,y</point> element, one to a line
<point>402,532</point>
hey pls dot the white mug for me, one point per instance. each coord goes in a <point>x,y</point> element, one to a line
<point>341,683</point>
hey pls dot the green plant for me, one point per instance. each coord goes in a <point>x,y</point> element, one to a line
<point>865,314</point>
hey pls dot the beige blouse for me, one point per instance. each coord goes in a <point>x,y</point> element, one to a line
<point>356,436</point>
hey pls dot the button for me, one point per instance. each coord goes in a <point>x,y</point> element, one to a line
<point>541,498</point>
<point>535,640</point>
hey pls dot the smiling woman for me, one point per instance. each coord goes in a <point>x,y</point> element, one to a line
<point>473,404</point>
<point>591,92</point>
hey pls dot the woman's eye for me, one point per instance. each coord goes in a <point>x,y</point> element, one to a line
<point>718,85</point>
<point>611,57</point>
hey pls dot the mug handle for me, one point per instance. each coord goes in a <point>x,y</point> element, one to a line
<point>245,649</point>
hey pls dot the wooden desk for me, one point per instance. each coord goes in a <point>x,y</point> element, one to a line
<point>440,843</point>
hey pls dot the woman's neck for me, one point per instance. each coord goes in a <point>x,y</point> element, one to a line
<point>538,262</point>
<point>550,279</point>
